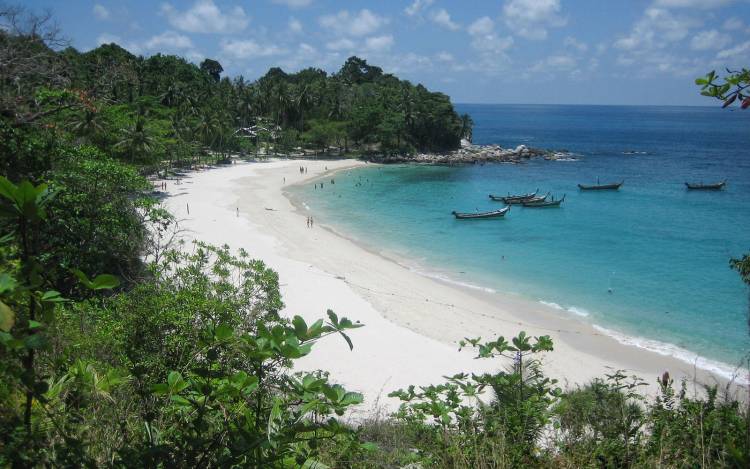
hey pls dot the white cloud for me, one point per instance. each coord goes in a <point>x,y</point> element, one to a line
<point>656,29</point>
<point>483,25</point>
<point>574,43</point>
<point>531,18</point>
<point>486,40</point>
<point>555,63</point>
<point>249,49</point>
<point>293,3</point>
<point>738,51</point>
<point>445,56</point>
<point>205,17</point>
<point>443,18</point>
<point>379,43</point>
<point>341,44</point>
<point>702,4</point>
<point>307,49</point>
<point>360,24</point>
<point>169,40</point>
<point>101,12</point>
<point>417,6</point>
<point>710,39</point>
<point>295,26</point>
<point>733,24</point>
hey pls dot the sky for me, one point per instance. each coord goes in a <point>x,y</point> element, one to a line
<point>476,51</point>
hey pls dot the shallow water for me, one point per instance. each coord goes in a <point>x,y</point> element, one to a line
<point>648,263</point>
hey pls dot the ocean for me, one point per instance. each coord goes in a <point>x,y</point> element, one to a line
<point>648,265</point>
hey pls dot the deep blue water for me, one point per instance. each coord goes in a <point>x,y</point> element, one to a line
<point>663,251</point>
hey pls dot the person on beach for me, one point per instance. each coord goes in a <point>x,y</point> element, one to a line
<point>284,180</point>
<point>311,222</point>
<point>308,222</point>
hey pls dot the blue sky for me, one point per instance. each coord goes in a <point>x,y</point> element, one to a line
<point>493,51</point>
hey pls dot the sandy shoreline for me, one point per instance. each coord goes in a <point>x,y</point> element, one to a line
<point>412,322</point>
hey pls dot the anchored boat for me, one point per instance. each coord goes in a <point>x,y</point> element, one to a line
<point>479,215</point>
<point>513,199</point>
<point>706,187</point>
<point>545,203</point>
<point>601,187</point>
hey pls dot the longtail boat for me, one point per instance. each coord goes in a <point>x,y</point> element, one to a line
<point>513,199</point>
<point>601,187</point>
<point>480,215</point>
<point>545,203</point>
<point>706,187</point>
<point>527,199</point>
<point>533,200</point>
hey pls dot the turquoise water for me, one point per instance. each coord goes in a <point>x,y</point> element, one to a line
<point>648,263</point>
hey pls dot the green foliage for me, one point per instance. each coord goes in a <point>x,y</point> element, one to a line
<point>27,310</point>
<point>98,216</point>
<point>460,428</point>
<point>729,89</point>
<point>603,421</point>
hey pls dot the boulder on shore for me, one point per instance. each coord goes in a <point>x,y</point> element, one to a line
<point>467,154</point>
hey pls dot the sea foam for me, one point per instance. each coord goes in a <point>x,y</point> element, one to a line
<point>671,350</point>
<point>572,309</point>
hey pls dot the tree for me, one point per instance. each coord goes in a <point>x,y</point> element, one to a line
<point>467,124</point>
<point>213,68</point>
<point>136,140</point>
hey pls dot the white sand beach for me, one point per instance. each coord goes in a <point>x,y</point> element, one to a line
<point>412,322</point>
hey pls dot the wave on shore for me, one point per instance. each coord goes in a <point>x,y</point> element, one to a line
<point>724,370</point>
<point>671,350</point>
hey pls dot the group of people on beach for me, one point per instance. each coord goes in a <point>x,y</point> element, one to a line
<point>309,222</point>
<point>302,169</point>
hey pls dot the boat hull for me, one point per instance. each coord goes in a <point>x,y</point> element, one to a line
<point>601,187</point>
<point>706,187</point>
<point>544,203</point>
<point>482,215</point>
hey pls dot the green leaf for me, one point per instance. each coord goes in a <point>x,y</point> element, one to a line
<point>160,388</point>
<point>105,282</point>
<point>180,401</point>
<point>100,282</point>
<point>313,464</point>
<point>52,296</point>
<point>7,317</point>
<point>223,332</point>
<point>35,324</point>
<point>300,327</point>
<point>173,378</point>
<point>7,283</point>
<point>334,319</point>
<point>274,419</point>
<point>348,340</point>
<point>8,189</point>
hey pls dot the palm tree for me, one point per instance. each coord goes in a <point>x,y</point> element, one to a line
<point>88,125</point>
<point>467,124</point>
<point>136,140</point>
